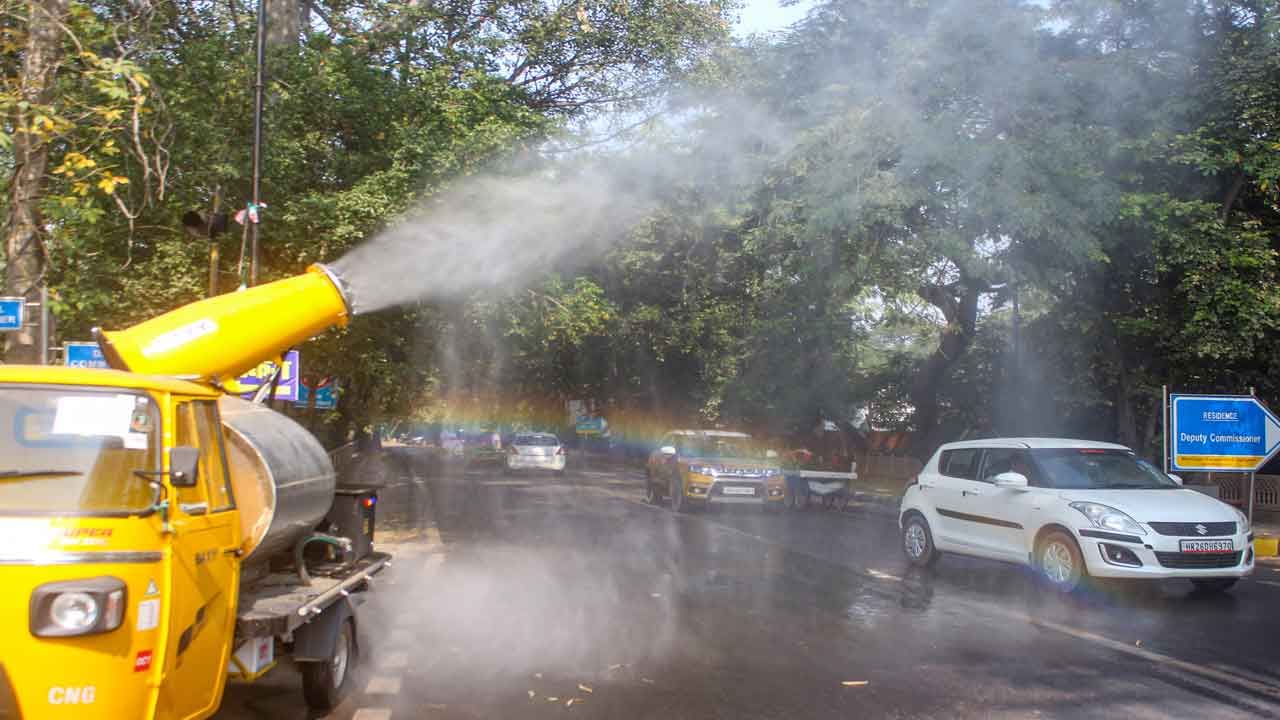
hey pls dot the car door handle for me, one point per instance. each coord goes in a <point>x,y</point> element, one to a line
<point>970,492</point>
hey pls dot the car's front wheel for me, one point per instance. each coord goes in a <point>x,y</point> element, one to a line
<point>1060,563</point>
<point>917,541</point>
<point>652,493</point>
<point>1213,585</point>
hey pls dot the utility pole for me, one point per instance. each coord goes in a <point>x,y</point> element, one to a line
<point>258,94</point>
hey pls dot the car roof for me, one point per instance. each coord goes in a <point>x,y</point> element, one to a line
<point>710,433</point>
<point>1034,443</point>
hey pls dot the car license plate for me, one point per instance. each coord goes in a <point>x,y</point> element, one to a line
<point>1207,546</point>
<point>732,490</point>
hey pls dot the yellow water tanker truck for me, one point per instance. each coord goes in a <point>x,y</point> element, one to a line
<point>158,536</point>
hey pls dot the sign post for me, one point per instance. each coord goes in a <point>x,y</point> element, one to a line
<point>1222,433</point>
<point>251,382</point>
<point>83,354</point>
<point>12,312</point>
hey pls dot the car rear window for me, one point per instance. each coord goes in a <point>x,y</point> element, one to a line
<point>962,463</point>
<point>537,440</point>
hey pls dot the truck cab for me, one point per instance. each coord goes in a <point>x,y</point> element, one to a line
<point>120,544</point>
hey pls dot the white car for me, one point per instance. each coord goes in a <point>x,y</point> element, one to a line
<point>1071,509</point>
<point>536,451</point>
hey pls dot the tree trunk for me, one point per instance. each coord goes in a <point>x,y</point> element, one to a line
<point>961,313</point>
<point>284,22</point>
<point>24,246</point>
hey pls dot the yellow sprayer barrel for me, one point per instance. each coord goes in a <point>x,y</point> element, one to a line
<point>223,337</point>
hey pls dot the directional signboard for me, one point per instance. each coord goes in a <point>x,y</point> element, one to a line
<point>287,389</point>
<point>83,354</point>
<point>326,396</point>
<point>11,313</point>
<point>1222,433</point>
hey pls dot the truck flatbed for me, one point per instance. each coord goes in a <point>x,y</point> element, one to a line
<point>280,603</point>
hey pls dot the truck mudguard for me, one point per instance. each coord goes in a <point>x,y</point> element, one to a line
<point>314,642</point>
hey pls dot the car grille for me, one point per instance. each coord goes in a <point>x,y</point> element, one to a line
<point>1190,529</point>
<point>718,490</point>
<point>1198,561</point>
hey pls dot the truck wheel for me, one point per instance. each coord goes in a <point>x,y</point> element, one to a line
<point>325,683</point>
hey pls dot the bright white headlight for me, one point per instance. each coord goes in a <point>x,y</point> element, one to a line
<point>74,611</point>
<point>1108,518</point>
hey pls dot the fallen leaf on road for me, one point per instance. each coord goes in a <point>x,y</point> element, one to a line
<point>584,688</point>
<point>538,675</point>
<point>531,694</point>
<point>657,595</point>
<point>571,702</point>
<point>615,667</point>
<point>854,683</point>
<point>646,680</point>
<point>553,699</point>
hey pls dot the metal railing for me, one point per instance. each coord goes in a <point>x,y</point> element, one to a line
<point>1234,489</point>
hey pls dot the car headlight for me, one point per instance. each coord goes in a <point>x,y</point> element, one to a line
<point>77,607</point>
<point>1108,518</point>
<point>1244,522</point>
<point>707,470</point>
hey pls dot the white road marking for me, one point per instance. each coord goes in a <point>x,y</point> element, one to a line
<point>395,661</point>
<point>383,685</point>
<point>1201,675</point>
<point>372,714</point>
<point>1272,583</point>
<point>1229,679</point>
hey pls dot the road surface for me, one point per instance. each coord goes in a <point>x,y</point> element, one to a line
<point>542,597</point>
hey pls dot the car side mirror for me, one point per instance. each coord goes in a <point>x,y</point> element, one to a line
<point>1011,481</point>
<point>1176,478</point>
<point>668,450</point>
<point>184,466</point>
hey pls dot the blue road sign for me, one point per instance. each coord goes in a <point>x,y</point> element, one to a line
<point>287,389</point>
<point>11,313</point>
<point>1222,433</point>
<point>83,354</point>
<point>326,396</point>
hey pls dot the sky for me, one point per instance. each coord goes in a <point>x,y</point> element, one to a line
<point>761,16</point>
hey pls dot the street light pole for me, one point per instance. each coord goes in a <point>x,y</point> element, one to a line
<point>258,93</point>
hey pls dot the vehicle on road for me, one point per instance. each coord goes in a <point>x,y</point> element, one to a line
<point>829,481</point>
<point>536,451</point>
<point>483,447</point>
<point>696,468</point>
<point>160,536</point>
<point>1071,509</point>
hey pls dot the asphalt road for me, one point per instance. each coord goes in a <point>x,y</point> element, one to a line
<point>536,597</point>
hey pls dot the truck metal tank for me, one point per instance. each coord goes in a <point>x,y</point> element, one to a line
<point>281,475</point>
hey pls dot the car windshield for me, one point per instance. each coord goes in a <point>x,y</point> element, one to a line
<point>1096,469</point>
<point>537,440</point>
<point>76,451</point>
<point>714,447</point>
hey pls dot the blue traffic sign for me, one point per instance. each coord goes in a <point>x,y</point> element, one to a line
<point>326,397</point>
<point>83,354</point>
<point>1225,433</point>
<point>11,313</point>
